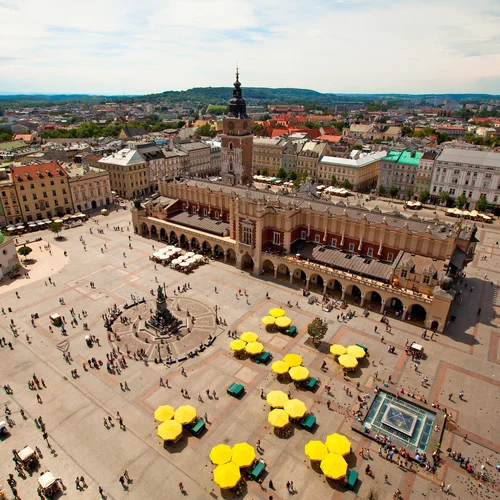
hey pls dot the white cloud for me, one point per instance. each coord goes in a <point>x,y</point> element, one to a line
<point>111,46</point>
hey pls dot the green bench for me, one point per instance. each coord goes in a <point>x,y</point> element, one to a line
<point>263,358</point>
<point>351,478</point>
<point>258,470</point>
<point>197,427</point>
<point>291,332</point>
<point>235,390</point>
<point>311,384</point>
<point>364,348</point>
<point>308,422</point>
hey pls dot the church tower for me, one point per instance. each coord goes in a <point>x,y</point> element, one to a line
<point>237,141</point>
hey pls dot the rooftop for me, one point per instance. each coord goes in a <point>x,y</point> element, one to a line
<point>124,157</point>
<point>196,221</point>
<point>361,161</point>
<point>472,157</point>
<point>27,173</point>
<point>405,157</point>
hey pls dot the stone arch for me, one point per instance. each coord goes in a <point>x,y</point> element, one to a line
<point>144,229</point>
<point>435,325</point>
<point>334,288</point>
<point>154,232</point>
<point>374,297</point>
<point>218,252</point>
<point>299,276</point>
<point>195,244</point>
<point>163,234</point>
<point>173,237</point>
<point>206,246</point>
<point>183,240</point>
<point>268,267</point>
<point>247,263</point>
<point>316,282</point>
<point>136,230</point>
<point>283,269</point>
<point>395,306</point>
<point>417,313</point>
<point>353,293</point>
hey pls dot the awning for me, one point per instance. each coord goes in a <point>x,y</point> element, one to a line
<point>458,258</point>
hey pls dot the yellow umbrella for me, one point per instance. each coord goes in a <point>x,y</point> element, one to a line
<point>295,408</point>
<point>283,322</point>
<point>170,430</point>
<point>254,348</point>
<point>347,361</point>
<point>243,455</point>
<point>316,450</point>
<point>185,414</point>
<point>299,373</point>
<point>227,476</point>
<point>337,443</point>
<point>334,466</point>
<point>163,413</point>
<point>221,454</point>
<point>277,312</point>
<point>355,351</point>
<point>268,320</point>
<point>293,360</point>
<point>337,349</point>
<point>278,418</point>
<point>237,345</point>
<point>249,337</point>
<point>277,399</point>
<point>280,367</point>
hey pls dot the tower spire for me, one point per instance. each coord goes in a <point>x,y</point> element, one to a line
<point>237,72</point>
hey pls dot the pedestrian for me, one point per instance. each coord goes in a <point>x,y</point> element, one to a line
<point>122,481</point>
<point>82,480</point>
<point>101,491</point>
<point>461,395</point>
<point>39,399</point>
<point>271,485</point>
<point>386,479</point>
<point>450,396</point>
<point>161,381</point>
<point>328,404</point>
<point>77,483</point>
<point>125,473</point>
<point>181,487</point>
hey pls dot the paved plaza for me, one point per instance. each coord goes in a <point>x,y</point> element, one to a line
<point>465,358</point>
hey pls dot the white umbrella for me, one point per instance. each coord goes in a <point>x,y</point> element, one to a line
<point>11,228</point>
<point>164,257</point>
<point>190,254</point>
<point>20,227</point>
<point>41,223</point>
<point>176,261</point>
<point>19,224</point>
<point>184,264</point>
<point>82,215</point>
<point>171,247</point>
<point>198,257</point>
<point>192,260</point>
<point>157,255</point>
<point>31,224</point>
<point>59,221</point>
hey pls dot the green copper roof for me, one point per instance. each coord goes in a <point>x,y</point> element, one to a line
<point>406,157</point>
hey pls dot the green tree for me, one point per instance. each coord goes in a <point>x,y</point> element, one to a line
<point>292,175</point>
<point>264,171</point>
<point>393,191</point>
<point>282,173</point>
<point>407,131</point>
<point>56,228</point>
<point>205,131</point>
<point>346,184</point>
<point>333,180</point>
<point>257,127</point>
<point>442,137</point>
<point>409,193</point>
<point>310,124</point>
<point>460,201</point>
<point>481,204</point>
<point>424,196</point>
<point>381,190</point>
<point>317,329</point>
<point>24,251</point>
<point>444,197</point>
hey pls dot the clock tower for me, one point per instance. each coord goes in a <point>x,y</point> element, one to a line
<point>237,141</point>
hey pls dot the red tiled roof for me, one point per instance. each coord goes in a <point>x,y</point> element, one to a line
<point>276,132</point>
<point>330,138</point>
<point>22,137</point>
<point>27,173</point>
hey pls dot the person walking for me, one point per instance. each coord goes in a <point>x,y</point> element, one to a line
<point>39,399</point>
<point>122,482</point>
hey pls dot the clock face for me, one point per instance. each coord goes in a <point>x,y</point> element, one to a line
<point>230,125</point>
<point>245,125</point>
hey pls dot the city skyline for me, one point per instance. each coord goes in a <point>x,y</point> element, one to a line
<point>346,46</point>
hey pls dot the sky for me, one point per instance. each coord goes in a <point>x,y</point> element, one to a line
<point>116,47</point>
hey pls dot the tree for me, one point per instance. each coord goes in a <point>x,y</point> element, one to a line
<point>424,196</point>
<point>24,251</point>
<point>205,131</point>
<point>481,204</point>
<point>55,227</point>
<point>406,130</point>
<point>317,330</point>
<point>381,190</point>
<point>346,184</point>
<point>460,201</point>
<point>443,197</point>
<point>292,175</point>
<point>264,171</point>
<point>409,193</point>
<point>310,124</point>
<point>333,180</point>
<point>282,173</point>
<point>393,191</point>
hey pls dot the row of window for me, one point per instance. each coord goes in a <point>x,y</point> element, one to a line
<point>32,186</point>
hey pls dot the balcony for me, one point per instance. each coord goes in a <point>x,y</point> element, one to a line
<point>385,288</point>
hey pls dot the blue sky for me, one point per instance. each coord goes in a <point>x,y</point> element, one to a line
<point>125,46</point>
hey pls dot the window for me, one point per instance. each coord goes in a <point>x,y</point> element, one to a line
<point>25,198</point>
<point>45,194</point>
<point>247,235</point>
<point>26,208</point>
<point>370,252</point>
<point>32,186</point>
<point>390,256</point>
<point>22,188</point>
<point>51,183</point>
<point>216,215</point>
<point>317,238</point>
<point>34,196</point>
<point>351,247</point>
<point>37,206</point>
<point>456,172</point>
<point>303,235</point>
<point>65,201</point>
<point>204,210</point>
<point>334,242</point>
<point>404,273</point>
<point>277,238</point>
<point>426,280</point>
<point>56,203</point>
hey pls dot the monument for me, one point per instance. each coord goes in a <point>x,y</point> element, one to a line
<point>163,321</point>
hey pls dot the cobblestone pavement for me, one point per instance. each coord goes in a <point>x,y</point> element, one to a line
<point>465,358</point>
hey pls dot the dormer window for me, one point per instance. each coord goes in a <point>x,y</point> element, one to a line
<point>48,172</point>
<point>40,175</point>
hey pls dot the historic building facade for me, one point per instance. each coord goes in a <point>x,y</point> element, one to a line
<point>237,141</point>
<point>386,262</point>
